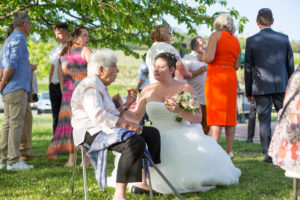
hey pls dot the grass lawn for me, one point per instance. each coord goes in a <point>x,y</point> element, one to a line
<point>113,88</point>
<point>49,180</point>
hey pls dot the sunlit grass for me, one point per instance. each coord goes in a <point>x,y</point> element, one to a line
<point>50,180</point>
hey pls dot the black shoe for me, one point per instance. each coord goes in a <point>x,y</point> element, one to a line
<point>137,190</point>
<point>248,141</point>
<point>267,159</point>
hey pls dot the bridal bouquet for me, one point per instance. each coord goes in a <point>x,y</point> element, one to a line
<point>187,101</point>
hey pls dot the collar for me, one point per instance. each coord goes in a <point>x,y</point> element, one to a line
<point>194,53</point>
<point>18,33</point>
<point>266,28</point>
<point>100,84</point>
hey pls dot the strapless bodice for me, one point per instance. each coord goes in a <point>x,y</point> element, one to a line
<point>161,117</point>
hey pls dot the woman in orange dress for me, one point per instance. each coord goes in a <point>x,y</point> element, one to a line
<point>223,58</point>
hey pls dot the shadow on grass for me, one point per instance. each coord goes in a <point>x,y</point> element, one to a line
<point>50,180</point>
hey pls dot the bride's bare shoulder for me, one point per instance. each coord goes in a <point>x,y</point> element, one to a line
<point>148,89</point>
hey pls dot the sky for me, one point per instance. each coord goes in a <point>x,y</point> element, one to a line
<point>286,16</point>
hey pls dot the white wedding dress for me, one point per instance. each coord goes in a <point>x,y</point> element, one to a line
<point>190,160</point>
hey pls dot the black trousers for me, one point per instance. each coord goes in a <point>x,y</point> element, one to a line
<point>55,99</point>
<point>264,110</point>
<point>252,122</point>
<point>132,151</point>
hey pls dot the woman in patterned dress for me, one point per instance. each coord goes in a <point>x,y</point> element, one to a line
<point>72,69</point>
<point>284,147</point>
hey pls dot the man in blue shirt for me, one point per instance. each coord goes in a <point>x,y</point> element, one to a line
<point>15,75</point>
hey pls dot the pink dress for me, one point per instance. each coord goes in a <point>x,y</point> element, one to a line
<point>74,68</point>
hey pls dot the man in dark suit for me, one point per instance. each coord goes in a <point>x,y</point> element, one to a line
<point>268,65</point>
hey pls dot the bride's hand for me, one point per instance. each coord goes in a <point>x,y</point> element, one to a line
<point>172,105</point>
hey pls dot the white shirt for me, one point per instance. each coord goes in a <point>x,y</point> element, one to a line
<point>92,109</point>
<point>157,48</point>
<point>54,59</point>
<point>191,63</point>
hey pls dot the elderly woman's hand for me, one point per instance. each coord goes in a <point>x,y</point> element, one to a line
<point>117,98</point>
<point>135,127</point>
<point>129,125</point>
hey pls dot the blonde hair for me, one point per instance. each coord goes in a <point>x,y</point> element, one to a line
<point>160,33</point>
<point>224,22</point>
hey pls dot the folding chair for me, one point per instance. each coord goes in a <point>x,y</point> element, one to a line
<point>85,147</point>
<point>83,170</point>
<point>295,176</point>
<point>163,177</point>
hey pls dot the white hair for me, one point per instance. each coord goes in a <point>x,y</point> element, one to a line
<point>102,57</point>
<point>224,22</point>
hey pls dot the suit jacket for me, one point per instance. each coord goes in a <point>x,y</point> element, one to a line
<point>269,63</point>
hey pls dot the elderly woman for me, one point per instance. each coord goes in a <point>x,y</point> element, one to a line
<point>161,37</point>
<point>223,58</point>
<point>96,119</point>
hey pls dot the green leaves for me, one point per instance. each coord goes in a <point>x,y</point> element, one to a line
<point>242,22</point>
<point>39,54</point>
<point>115,24</point>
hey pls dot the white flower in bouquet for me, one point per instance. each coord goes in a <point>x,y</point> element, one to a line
<point>187,101</point>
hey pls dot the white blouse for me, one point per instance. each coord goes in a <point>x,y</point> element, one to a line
<point>92,109</point>
<point>191,63</point>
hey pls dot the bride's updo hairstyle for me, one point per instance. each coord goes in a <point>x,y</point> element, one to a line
<point>170,58</point>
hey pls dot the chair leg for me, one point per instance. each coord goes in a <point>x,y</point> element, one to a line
<point>295,188</point>
<point>150,185</point>
<point>84,173</point>
<point>163,177</point>
<point>74,169</point>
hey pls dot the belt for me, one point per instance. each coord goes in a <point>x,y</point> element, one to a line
<point>210,66</point>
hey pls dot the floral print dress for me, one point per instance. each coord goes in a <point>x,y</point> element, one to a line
<point>285,144</point>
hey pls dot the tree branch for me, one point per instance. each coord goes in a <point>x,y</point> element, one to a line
<point>21,8</point>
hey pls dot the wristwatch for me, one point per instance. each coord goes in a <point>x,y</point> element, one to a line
<point>124,107</point>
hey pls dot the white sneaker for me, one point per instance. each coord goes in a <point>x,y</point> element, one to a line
<point>20,165</point>
<point>2,166</point>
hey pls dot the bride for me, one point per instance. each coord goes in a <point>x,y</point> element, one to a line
<point>190,160</point>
